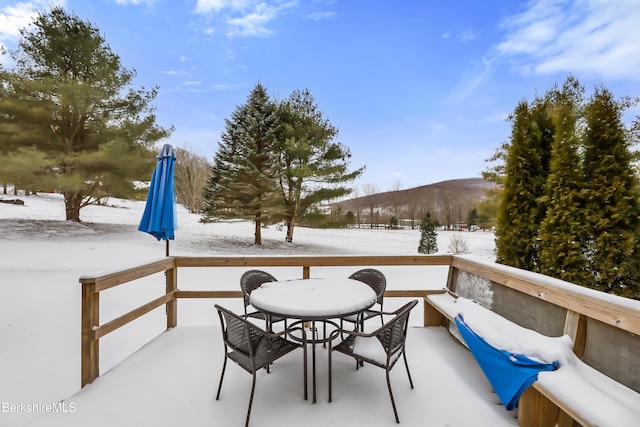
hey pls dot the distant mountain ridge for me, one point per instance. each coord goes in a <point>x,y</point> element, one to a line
<point>448,201</point>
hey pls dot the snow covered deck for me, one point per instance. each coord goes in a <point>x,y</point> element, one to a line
<point>173,380</point>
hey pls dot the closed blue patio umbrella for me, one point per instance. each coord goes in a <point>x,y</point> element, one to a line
<point>159,217</point>
<point>510,374</point>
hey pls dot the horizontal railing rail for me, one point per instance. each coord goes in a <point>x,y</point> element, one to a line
<point>597,305</point>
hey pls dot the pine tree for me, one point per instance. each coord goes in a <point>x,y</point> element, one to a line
<point>243,178</point>
<point>69,98</point>
<point>23,168</point>
<point>562,232</point>
<point>472,218</point>
<point>428,235</point>
<point>611,197</point>
<point>313,167</point>
<point>526,168</point>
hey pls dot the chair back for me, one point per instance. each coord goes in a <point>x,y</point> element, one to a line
<point>238,333</point>
<point>374,278</point>
<point>393,333</point>
<point>251,280</point>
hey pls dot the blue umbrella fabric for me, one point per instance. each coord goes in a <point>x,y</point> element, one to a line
<point>159,217</point>
<point>509,374</point>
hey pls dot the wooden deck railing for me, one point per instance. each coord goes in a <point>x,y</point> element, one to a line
<point>579,305</point>
<point>92,330</point>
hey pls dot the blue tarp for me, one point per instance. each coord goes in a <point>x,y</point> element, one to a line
<point>159,214</point>
<point>509,374</point>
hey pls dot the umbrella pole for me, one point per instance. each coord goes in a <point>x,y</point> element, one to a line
<point>167,247</point>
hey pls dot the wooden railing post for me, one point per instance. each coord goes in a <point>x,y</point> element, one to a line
<point>576,327</point>
<point>172,305</point>
<point>90,346</point>
<point>306,271</point>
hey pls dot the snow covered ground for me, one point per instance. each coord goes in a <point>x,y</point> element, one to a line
<point>42,256</point>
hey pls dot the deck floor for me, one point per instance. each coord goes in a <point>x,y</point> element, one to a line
<point>173,380</point>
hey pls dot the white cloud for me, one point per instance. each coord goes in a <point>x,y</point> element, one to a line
<point>20,15</point>
<point>252,24</point>
<point>465,36</point>
<point>243,17</point>
<point>135,2</point>
<point>255,23</point>
<point>206,6</point>
<point>191,83</point>
<point>598,37</point>
<point>470,81</point>
<point>317,16</point>
<point>462,37</point>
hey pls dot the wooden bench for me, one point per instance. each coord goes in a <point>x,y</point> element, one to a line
<point>575,392</point>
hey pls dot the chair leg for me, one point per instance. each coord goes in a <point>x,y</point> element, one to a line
<point>330,372</point>
<point>269,327</point>
<point>324,334</point>
<point>304,364</point>
<point>224,366</point>
<point>393,402</point>
<point>406,365</point>
<point>253,387</point>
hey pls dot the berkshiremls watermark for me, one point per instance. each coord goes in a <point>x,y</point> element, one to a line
<point>36,407</point>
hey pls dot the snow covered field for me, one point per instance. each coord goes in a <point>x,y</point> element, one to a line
<point>42,256</point>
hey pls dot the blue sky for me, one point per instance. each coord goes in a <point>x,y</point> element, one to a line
<point>420,90</point>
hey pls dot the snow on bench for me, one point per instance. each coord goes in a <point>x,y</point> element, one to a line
<point>582,392</point>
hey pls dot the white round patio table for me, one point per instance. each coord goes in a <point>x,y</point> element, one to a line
<point>313,300</point>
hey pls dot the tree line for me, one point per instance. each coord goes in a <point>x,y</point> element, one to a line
<point>452,204</point>
<point>569,202</point>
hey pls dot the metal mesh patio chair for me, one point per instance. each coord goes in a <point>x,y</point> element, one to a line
<point>253,348</point>
<point>251,280</point>
<point>382,347</point>
<point>378,282</point>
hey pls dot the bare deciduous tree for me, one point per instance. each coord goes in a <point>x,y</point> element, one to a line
<point>458,244</point>
<point>370,190</point>
<point>191,174</point>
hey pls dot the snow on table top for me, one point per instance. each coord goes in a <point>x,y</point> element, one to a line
<point>308,298</point>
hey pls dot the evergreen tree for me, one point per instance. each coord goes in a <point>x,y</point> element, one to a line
<point>526,168</point>
<point>243,178</point>
<point>472,217</point>
<point>428,235</point>
<point>611,197</point>
<point>562,232</point>
<point>69,98</point>
<point>24,169</point>
<point>313,167</point>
